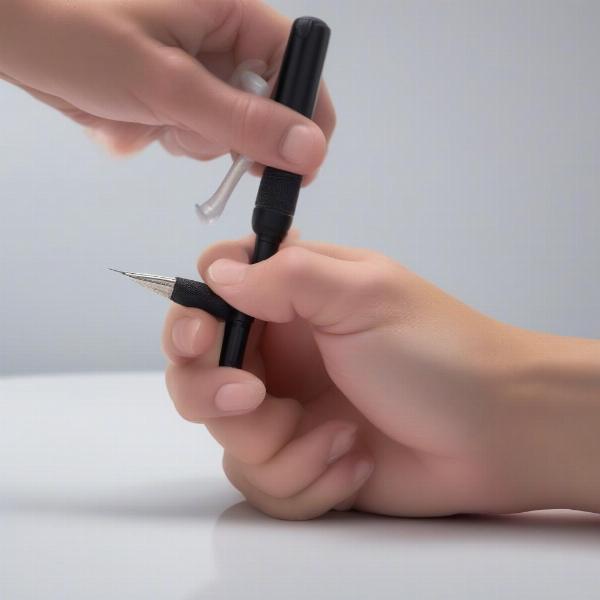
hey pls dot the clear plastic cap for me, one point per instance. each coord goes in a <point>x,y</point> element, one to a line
<point>246,77</point>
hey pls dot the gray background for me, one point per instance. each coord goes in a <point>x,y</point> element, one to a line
<point>471,128</point>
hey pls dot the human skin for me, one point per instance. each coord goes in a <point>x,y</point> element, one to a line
<point>383,393</point>
<point>135,71</point>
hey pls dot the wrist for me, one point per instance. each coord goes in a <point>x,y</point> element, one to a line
<point>556,396</point>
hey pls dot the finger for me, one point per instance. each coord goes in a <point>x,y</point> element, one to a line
<point>247,30</point>
<point>324,116</point>
<point>241,250</point>
<point>256,426</point>
<point>121,138</point>
<point>177,85</point>
<point>180,142</point>
<point>257,436</point>
<point>339,483</point>
<point>202,392</point>
<point>260,32</point>
<point>331,250</point>
<point>188,333</point>
<point>302,461</point>
<point>338,296</point>
<point>238,250</point>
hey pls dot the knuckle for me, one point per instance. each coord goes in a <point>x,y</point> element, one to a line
<point>294,260</point>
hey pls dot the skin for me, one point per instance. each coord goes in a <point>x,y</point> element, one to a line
<point>452,411</point>
<point>135,71</point>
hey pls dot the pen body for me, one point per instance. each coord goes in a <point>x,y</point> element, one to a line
<point>297,88</point>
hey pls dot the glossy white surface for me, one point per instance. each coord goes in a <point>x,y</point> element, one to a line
<point>106,493</point>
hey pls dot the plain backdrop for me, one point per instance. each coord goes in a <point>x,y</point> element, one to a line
<point>468,148</point>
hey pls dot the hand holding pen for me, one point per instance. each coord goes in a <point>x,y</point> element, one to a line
<point>137,72</point>
<point>367,387</point>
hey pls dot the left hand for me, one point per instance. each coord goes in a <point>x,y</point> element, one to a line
<point>136,71</point>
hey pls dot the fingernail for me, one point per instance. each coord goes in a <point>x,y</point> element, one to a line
<point>227,271</point>
<point>298,144</point>
<point>236,397</point>
<point>342,442</point>
<point>362,471</point>
<point>184,335</point>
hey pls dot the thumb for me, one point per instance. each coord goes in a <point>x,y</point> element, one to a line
<point>191,97</point>
<point>338,296</point>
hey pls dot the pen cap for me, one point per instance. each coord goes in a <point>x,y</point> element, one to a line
<point>302,65</point>
<point>296,88</point>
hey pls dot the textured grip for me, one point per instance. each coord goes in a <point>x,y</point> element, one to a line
<point>198,295</point>
<point>279,190</point>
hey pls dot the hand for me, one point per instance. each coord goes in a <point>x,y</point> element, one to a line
<point>135,71</point>
<point>368,366</point>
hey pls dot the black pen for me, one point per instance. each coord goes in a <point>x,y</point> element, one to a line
<point>186,292</point>
<point>297,87</point>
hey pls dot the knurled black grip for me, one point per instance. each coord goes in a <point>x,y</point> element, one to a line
<point>198,295</point>
<point>279,190</point>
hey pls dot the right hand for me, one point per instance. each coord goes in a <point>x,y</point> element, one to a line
<point>365,366</point>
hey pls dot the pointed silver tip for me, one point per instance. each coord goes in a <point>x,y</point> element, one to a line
<point>156,283</point>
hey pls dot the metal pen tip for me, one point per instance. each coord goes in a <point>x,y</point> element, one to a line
<point>163,286</point>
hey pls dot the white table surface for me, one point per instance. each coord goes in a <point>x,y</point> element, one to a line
<point>106,493</point>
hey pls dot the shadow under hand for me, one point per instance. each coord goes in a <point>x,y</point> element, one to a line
<point>181,500</point>
<point>357,555</point>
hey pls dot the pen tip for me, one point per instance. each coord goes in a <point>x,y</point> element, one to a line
<point>117,271</point>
